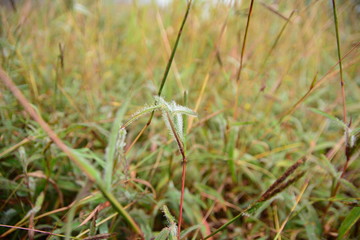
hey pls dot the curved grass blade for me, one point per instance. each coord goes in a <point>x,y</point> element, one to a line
<point>163,235</point>
<point>111,148</point>
<point>35,230</point>
<point>349,221</point>
<point>340,61</point>
<point>138,114</point>
<point>332,118</point>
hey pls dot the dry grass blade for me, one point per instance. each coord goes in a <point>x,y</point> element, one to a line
<point>274,10</point>
<point>40,174</point>
<point>35,230</point>
<point>238,75</point>
<point>94,212</point>
<point>101,236</point>
<point>306,184</point>
<point>275,43</point>
<point>16,146</point>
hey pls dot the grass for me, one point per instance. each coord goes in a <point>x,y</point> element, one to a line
<point>266,158</point>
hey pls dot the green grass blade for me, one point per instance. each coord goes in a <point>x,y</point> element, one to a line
<point>118,207</point>
<point>163,235</point>
<point>170,218</point>
<point>249,211</point>
<point>349,221</point>
<point>356,131</point>
<point>332,118</point>
<point>188,231</point>
<point>111,148</point>
<point>89,170</point>
<point>141,112</point>
<point>231,151</point>
<point>225,225</point>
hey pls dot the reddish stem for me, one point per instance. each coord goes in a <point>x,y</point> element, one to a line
<point>182,193</point>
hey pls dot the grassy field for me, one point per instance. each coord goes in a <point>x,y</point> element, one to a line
<point>88,152</point>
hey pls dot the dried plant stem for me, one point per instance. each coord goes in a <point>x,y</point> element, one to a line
<point>292,209</point>
<point>277,39</point>
<point>183,174</point>
<point>335,190</point>
<point>183,177</point>
<point>276,219</point>
<point>238,76</point>
<point>35,230</point>
<point>341,176</point>
<point>137,138</point>
<point>340,62</point>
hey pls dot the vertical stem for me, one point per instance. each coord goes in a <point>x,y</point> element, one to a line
<point>242,58</point>
<point>334,192</point>
<point>174,50</point>
<point>336,189</point>
<point>182,194</point>
<point>340,62</point>
<point>166,73</point>
<point>183,175</point>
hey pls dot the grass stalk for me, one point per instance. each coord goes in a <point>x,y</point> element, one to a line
<point>166,73</point>
<point>306,184</point>
<point>183,174</point>
<point>38,231</point>
<point>238,75</point>
<point>343,98</point>
<point>168,50</point>
<point>277,39</point>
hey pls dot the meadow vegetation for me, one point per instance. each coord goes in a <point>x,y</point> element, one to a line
<point>245,100</point>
